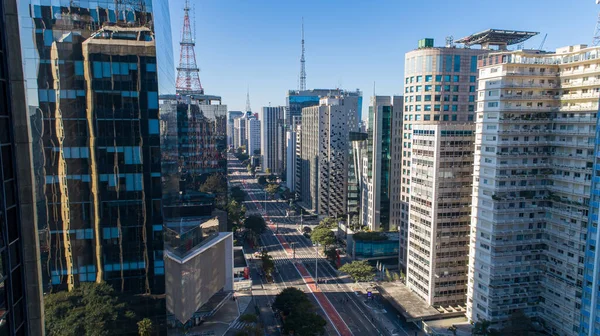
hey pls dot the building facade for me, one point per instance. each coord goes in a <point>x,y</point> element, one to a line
<point>439,109</point>
<point>239,132</point>
<point>534,160</point>
<point>325,154</point>
<point>92,97</point>
<point>290,168</point>
<point>231,116</point>
<point>272,142</point>
<point>253,135</point>
<point>21,303</point>
<point>377,169</point>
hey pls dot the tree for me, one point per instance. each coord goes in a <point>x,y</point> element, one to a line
<point>328,222</point>
<point>238,194</point>
<point>145,327</point>
<point>370,236</point>
<point>262,180</point>
<point>519,324</point>
<point>257,152</point>
<point>272,188</point>
<point>323,236</point>
<point>268,171</point>
<point>359,270</point>
<point>304,323</point>
<point>291,299</point>
<point>453,330</point>
<point>91,309</point>
<point>214,184</point>
<point>253,330</point>
<point>235,213</point>
<point>272,178</point>
<point>331,253</point>
<point>267,263</point>
<point>354,222</point>
<point>248,318</point>
<point>256,224</point>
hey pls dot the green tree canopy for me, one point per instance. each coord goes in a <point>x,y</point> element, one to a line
<point>304,323</point>
<point>328,222</point>
<point>290,299</point>
<point>272,188</point>
<point>256,224</point>
<point>359,270</point>
<point>370,236</point>
<point>268,171</point>
<point>323,236</point>
<point>90,309</point>
<point>235,213</point>
<point>331,253</point>
<point>145,327</point>
<point>484,328</point>
<point>267,263</point>
<point>238,194</point>
<point>272,178</point>
<point>214,184</point>
<point>262,180</point>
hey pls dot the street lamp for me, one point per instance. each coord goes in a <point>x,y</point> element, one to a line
<point>316,264</point>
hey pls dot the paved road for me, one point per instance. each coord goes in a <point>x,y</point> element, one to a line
<point>357,317</point>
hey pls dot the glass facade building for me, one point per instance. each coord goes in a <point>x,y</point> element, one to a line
<point>92,73</point>
<point>13,316</point>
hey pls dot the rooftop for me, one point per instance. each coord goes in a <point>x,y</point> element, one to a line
<point>411,306</point>
<point>498,37</point>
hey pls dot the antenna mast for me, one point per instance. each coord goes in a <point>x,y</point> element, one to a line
<point>248,109</point>
<point>188,73</point>
<point>596,39</point>
<point>302,85</point>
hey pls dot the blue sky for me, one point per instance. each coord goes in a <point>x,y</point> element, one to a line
<point>352,43</point>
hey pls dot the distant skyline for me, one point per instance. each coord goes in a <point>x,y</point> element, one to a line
<point>350,44</point>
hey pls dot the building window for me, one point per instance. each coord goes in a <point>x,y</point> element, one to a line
<point>456,78</point>
<point>428,78</point>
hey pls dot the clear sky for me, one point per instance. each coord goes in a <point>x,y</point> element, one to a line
<point>351,44</point>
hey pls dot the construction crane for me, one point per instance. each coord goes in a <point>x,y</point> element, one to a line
<point>596,40</point>
<point>544,41</point>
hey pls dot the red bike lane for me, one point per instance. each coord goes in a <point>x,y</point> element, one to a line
<point>332,314</point>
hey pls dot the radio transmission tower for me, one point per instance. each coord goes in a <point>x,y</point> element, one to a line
<point>188,74</point>
<point>248,109</point>
<point>302,85</point>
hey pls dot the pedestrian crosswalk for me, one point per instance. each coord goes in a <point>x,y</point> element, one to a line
<point>239,325</point>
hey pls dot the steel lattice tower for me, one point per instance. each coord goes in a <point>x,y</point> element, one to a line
<point>248,109</point>
<point>302,85</point>
<point>188,74</point>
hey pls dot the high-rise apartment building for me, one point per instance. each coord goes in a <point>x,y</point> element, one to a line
<point>534,166</point>
<point>239,132</point>
<point>298,99</point>
<point>253,135</point>
<point>272,139</point>
<point>437,148</point>
<point>376,181</point>
<point>92,97</point>
<point>290,168</point>
<point>20,292</point>
<point>325,153</point>
<point>231,116</point>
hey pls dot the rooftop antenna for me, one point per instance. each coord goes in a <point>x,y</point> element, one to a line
<point>450,41</point>
<point>374,89</point>
<point>543,41</point>
<point>596,39</point>
<point>248,109</point>
<point>302,85</point>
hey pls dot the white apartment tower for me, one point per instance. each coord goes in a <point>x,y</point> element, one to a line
<point>437,155</point>
<point>535,131</point>
<point>325,141</point>
<point>253,135</point>
<point>239,132</point>
<point>272,139</point>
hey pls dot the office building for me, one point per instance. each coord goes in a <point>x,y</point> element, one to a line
<point>296,100</point>
<point>437,149</point>
<point>20,292</point>
<point>231,116</point>
<point>272,139</point>
<point>239,132</point>
<point>325,152</point>
<point>534,166</point>
<point>92,89</point>
<point>290,168</point>
<point>253,135</point>
<point>376,161</point>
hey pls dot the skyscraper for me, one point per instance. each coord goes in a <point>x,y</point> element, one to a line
<point>272,139</point>
<point>377,182</point>
<point>534,167</point>
<point>92,96</point>
<point>20,290</point>
<point>253,135</point>
<point>231,116</point>
<point>437,145</point>
<point>325,153</point>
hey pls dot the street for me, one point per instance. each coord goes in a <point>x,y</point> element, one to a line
<point>346,312</point>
